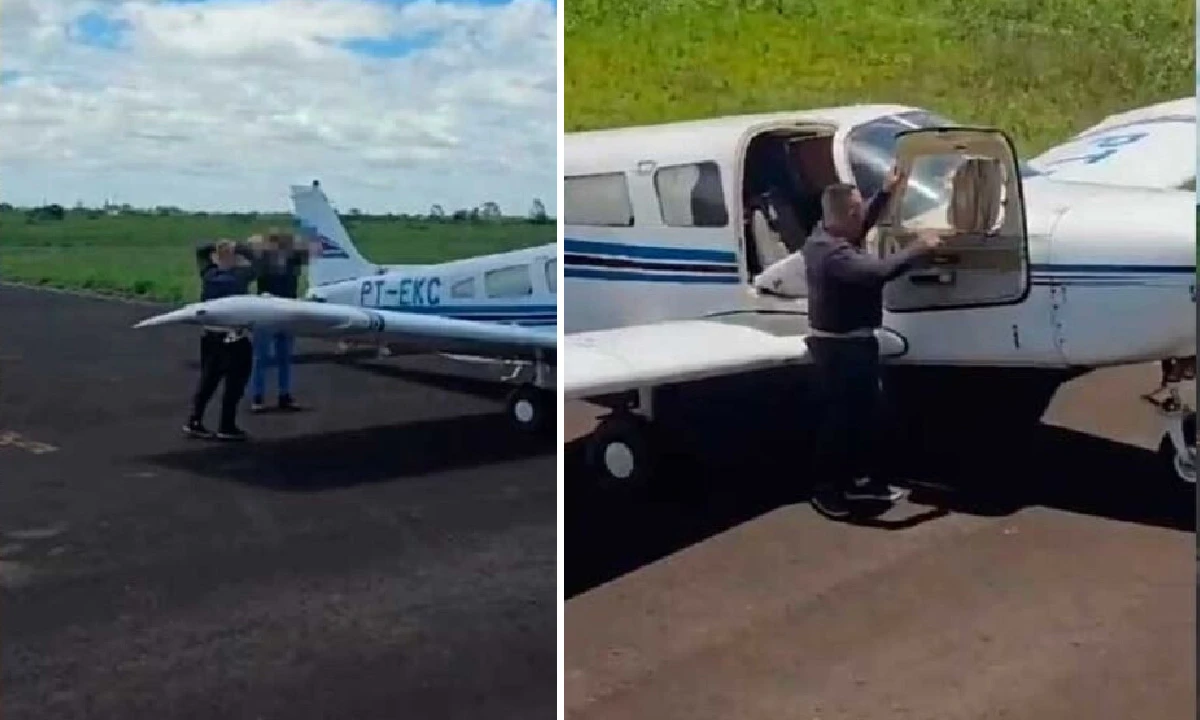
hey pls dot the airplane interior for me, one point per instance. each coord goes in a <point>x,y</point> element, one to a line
<point>784,175</point>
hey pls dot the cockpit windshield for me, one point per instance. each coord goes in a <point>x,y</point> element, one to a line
<point>872,148</point>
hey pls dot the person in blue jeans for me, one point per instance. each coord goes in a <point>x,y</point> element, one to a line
<point>279,264</point>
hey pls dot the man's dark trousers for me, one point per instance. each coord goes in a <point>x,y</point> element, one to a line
<point>848,396</point>
<point>227,361</point>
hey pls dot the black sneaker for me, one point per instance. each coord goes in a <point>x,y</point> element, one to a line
<point>257,405</point>
<point>232,434</point>
<point>830,502</point>
<point>871,489</point>
<point>288,404</point>
<point>196,429</point>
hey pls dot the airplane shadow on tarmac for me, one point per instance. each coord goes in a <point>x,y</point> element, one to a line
<point>736,458</point>
<point>334,460</point>
<point>307,355</point>
<point>368,362</point>
<point>327,461</point>
<point>475,387</point>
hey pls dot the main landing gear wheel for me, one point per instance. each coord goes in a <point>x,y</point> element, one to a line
<point>528,409</point>
<point>618,451</point>
<point>1182,465</point>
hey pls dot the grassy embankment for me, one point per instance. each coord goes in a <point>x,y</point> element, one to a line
<point>151,256</point>
<point>1041,69</point>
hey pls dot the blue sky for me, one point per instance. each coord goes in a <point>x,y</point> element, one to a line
<point>221,104</point>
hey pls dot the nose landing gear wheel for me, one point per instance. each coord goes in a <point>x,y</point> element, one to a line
<point>528,409</point>
<point>617,451</point>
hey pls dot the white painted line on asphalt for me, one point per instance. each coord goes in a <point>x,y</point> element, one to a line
<point>9,438</point>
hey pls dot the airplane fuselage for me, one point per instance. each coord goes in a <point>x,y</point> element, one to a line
<point>1108,286</point>
<point>1111,271</point>
<point>517,287</point>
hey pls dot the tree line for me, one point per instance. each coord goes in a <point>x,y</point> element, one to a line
<point>486,212</point>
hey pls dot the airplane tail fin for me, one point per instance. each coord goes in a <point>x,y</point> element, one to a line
<point>333,255</point>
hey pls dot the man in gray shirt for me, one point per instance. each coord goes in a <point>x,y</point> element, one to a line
<point>845,307</point>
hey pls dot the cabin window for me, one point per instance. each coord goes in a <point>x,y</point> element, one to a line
<point>552,275</point>
<point>691,195</point>
<point>512,281</point>
<point>598,200</point>
<point>463,289</point>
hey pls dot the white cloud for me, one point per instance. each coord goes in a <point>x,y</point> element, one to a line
<point>222,104</point>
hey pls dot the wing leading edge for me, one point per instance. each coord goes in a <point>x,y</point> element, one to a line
<point>605,362</point>
<point>312,319</point>
<point>1151,147</point>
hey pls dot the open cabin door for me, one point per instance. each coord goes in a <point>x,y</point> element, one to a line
<point>979,212</point>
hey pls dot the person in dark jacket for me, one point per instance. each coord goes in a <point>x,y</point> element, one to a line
<point>279,266</point>
<point>845,307</point>
<point>226,268</point>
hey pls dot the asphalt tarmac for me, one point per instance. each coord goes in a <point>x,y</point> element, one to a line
<point>1054,579</point>
<point>389,553</point>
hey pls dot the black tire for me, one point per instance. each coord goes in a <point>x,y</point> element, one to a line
<point>618,452</point>
<point>1166,453</point>
<point>530,410</point>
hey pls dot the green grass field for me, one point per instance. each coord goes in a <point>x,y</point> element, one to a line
<point>1040,69</point>
<point>151,256</point>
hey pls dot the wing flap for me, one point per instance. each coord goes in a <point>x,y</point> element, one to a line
<point>1151,147</point>
<point>612,361</point>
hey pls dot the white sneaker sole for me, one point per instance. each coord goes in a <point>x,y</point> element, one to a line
<point>896,495</point>
<point>829,512</point>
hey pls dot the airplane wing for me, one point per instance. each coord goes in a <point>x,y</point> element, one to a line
<point>605,362</point>
<point>1151,147</point>
<point>306,318</point>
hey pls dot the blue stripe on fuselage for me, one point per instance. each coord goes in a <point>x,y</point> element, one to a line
<point>1105,268</point>
<point>1043,273</point>
<point>642,276</point>
<point>528,316</point>
<point>465,309</point>
<point>646,252</point>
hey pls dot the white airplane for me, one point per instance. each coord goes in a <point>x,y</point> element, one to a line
<point>1083,258</point>
<point>501,306</point>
